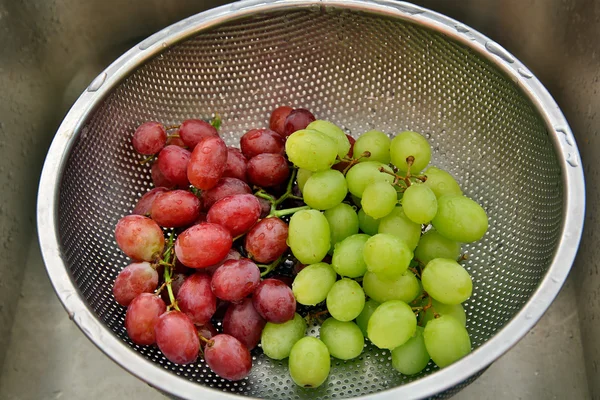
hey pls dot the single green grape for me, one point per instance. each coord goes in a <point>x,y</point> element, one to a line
<point>387,255</point>
<point>367,224</point>
<point>343,222</point>
<point>433,245</point>
<point>335,133</point>
<point>405,288</point>
<point>391,324</point>
<point>446,340</point>
<point>348,257</point>
<point>311,150</point>
<point>375,142</point>
<point>419,203</point>
<point>407,144</point>
<point>460,219</point>
<point>441,182</point>
<point>363,318</point>
<point>313,283</point>
<point>363,174</point>
<point>455,310</point>
<point>277,340</point>
<point>308,236</point>
<point>309,362</point>
<point>302,176</point>
<point>397,223</point>
<point>446,281</point>
<point>345,300</point>
<point>379,199</point>
<point>325,189</point>
<point>343,339</point>
<point>411,357</point>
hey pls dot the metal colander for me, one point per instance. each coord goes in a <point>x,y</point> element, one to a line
<point>363,65</point>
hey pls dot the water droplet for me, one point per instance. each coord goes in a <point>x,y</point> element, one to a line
<point>555,279</point>
<point>97,83</point>
<point>566,135</point>
<point>525,73</point>
<point>149,41</point>
<point>206,150</point>
<point>499,51</point>
<point>572,160</point>
<point>461,29</point>
<point>261,236</point>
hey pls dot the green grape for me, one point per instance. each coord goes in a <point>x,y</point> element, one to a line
<point>335,133</point>
<point>308,236</point>
<point>397,223</point>
<point>387,256</point>
<point>311,150</point>
<point>348,257</point>
<point>446,281</point>
<point>302,176</point>
<point>309,362</point>
<point>433,245</point>
<point>345,300</point>
<point>363,174</point>
<point>391,324</point>
<point>375,142</point>
<point>277,340</point>
<point>446,340</point>
<point>411,357</point>
<point>460,218</point>
<point>313,283</point>
<point>455,310</point>
<point>363,318</point>
<point>407,144</point>
<point>441,182</point>
<point>405,288</point>
<point>379,199</point>
<point>343,222</point>
<point>344,340</point>
<point>419,203</point>
<point>367,224</point>
<point>325,189</point>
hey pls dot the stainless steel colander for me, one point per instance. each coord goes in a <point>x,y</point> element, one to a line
<point>363,65</point>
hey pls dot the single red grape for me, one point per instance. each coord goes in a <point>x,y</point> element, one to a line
<point>192,131</point>
<point>228,357</point>
<point>142,316</point>
<point>176,141</point>
<point>237,164</point>
<point>158,178</point>
<point>235,279</point>
<point>267,240</point>
<point>173,162</point>
<point>144,204</point>
<point>232,255</point>
<point>207,331</point>
<point>237,213</point>
<point>207,163</point>
<point>267,170</point>
<point>177,338</point>
<point>149,138</point>
<point>175,208</point>
<point>139,237</point>
<point>134,279</point>
<point>244,323</point>
<point>196,299</point>
<point>274,301</point>
<point>259,141</point>
<point>203,245</point>
<point>277,120</point>
<point>298,119</point>
<point>225,187</point>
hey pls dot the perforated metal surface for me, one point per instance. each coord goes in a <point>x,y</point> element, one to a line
<point>361,72</point>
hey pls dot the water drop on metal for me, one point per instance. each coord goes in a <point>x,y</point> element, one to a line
<point>566,135</point>
<point>499,51</point>
<point>572,160</point>
<point>97,83</point>
<point>525,73</point>
<point>461,29</point>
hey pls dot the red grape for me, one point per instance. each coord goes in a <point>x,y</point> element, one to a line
<point>342,165</point>
<point>192,131</point>
<point>267,170</point>
<point>149,138</point>
<point>158,178</point>
<point>139,237</point>
<point>228,357</point>
<point>259,141</point>
<point>176,141</point>
<point>177,280</point>
<point>225,187</point>
<point>177,338</point>
<point>134,279</point>
<point>235,279</point>
<point>265,207</point>
<point>237,213</point>
<point>244,323</point>
<point>203,245</point>
<point>144,204</point>
<point>236,164</point>
<point>266,241</point>
<point>142,316</point>
<point>207,163</point>
<point>173,162</point>
<point>196,299</point>
<point>277,120</point>
<point>274,301</point>
<point>232,255</point>
<point>296,120</point>
<point>352,141</point>
<point>207,331</point>
<point>175,209</point>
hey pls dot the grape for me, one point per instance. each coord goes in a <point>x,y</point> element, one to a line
<point>343,222</point>
<point>277,120</point>
<point>149,138</point>
<point>363,174</point>
<point>207,331</point>
<point>375,142</point>
<point>309,236</point>
<point>173,163</point>
<point>225,187</point>
<point>309,362</point>
<point>176,141</point>
<point>379,199</point>
<point>265,207</point>
<point>244,323</point>
<point>302,176</point>
<point>236,165</point>
<point>345,300</point>
<point>387,256</point>
<point>235,279</point>
<point>446,281</point>
<point>311,150</point>
<point>192,131</point>
<point>175,208</point>
<point>144,204</point>
<point>133,280</point>
<point>363,318</point>
<point>141,318</point>
<point>274,301</point>
<point>196,299</point>
<point>268,170</point>
<point>313,283</point>
<point>237,213</point>
<point>446,340</point>
<point>231,255</point>
<point>342,165</point>
<point>433,245</point>
<point>325,189</point>
<point>141,238</point>
<point>259,141</point>
<point>267,240</point>
<point>419,203</point>
<point>207,162</point>
<point>367,224</point>
<point>455,311</point>
<point>277,340</point>
<point>335,133</point>
<point>391,324</point>
<point>460,218</point>
<point>228,357</point>
<point>407,144</point>
<point>203,245</point>
<point>344,340</point>
<point>158,179</point>
<point>411,357</point>
<point>405,288</point>
<point>296,120</point>
<point>177,338</point>
<point>441,182</point>
<point>397,223</point>
<point>348,257</point>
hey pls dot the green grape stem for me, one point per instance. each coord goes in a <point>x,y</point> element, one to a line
<point>355,161</point>
<point>288,211</point>
<point>173,136</point>
<point>170,127</point>
<point>216,121</point>
<point>287,195</point>
<point>147,159</point>
<point>169,264</point>
<point>270,267</point>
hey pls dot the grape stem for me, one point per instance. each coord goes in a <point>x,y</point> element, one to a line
<point>168,128</point>
<point>173,136</point>
<point>147,159</point>
<point>205,340</point>
<point>277,202</point>
<point>168,263</point>
<point>160,289</point>
<point>287,211</point>
<point>288,190</point>
<point>216,121</point>
<point>270,267</point>
<point>311,316</point>
<point>355,161</point>
<point>428,305</point>
<point>463,257</point>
